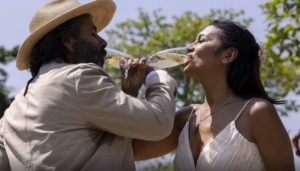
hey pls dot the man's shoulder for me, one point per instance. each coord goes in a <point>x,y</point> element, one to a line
<point>71,71</point>
<point>89,68</point>
<point>82,68</point>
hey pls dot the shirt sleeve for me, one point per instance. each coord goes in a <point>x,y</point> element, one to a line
<point>108,108</point>
<point>4,163</point>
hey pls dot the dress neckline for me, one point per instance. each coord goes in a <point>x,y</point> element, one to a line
<point>229,125</point>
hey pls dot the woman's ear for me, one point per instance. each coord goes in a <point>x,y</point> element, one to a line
<point>230,55</point>
<point>69,44</point>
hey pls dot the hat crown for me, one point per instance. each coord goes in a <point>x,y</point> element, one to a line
<point>50,11</point>
<point>57,12</point>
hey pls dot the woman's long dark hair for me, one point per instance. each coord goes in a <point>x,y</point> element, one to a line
<point>244,74</point>
<point>50,47</point>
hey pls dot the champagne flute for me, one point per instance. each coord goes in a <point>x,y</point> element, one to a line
<point>168,58</point>
<point>117,59</point>
<point>161,60</point>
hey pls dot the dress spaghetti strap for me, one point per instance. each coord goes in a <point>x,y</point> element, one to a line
<point>241,111</point>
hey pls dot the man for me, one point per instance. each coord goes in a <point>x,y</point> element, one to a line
<point>71,115</point>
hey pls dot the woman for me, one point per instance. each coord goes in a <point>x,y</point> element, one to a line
<point>237,126</point>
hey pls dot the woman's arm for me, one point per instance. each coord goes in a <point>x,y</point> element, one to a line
<point>271,137</point>
<point>150,149</point>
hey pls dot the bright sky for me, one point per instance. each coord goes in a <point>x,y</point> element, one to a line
<point>15,16</point>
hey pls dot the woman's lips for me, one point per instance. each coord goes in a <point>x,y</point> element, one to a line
<point>187,60</point>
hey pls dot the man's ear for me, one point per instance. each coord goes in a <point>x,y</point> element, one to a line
<point>69,44</point>
<point>230,55</point>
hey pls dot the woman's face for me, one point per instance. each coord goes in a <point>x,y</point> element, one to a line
<point>202,54</point>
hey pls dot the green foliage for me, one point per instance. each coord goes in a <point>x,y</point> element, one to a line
<point>282,49</point>
<point>154,32</point>
<point>162,163</point>
<point>5,57</point>
<point>4,101</point>
<point>160,167</point>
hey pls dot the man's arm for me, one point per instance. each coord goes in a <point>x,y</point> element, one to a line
<point>144,150</point>
<point>107,107</point>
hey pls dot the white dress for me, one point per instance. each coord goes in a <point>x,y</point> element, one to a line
<point>228,151</point>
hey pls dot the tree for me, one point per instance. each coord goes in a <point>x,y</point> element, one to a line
<point>5,57</point>
<point>282,49</point>
<point>154,32</point>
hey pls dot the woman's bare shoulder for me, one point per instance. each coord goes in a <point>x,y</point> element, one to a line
<point>264,119</point>
<point>260,108</point>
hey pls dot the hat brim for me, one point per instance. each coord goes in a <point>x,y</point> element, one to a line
<point>101,11</point>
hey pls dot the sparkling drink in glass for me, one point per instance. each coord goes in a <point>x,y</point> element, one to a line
<point>168,58</point>
<point>163,59</point>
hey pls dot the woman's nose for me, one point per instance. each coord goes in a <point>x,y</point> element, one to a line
<point>190,47</point>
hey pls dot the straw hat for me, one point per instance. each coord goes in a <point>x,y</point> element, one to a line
<point>57,12</point>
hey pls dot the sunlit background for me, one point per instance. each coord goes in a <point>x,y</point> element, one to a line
<point>15,16</point>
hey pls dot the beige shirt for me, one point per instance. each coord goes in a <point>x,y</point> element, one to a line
<point>75,118</point>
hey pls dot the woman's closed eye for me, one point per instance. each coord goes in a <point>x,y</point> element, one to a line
<point>200,39</point>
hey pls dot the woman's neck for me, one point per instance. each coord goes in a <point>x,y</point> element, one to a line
<point>217,92</point>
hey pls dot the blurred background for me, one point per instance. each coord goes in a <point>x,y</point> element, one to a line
<point>141,28</point>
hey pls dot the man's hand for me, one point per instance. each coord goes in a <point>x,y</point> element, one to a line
<point>137,71</point>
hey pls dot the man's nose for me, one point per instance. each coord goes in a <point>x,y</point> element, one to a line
<point>102,42</point>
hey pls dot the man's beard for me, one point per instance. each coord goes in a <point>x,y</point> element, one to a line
<point>86,53</point>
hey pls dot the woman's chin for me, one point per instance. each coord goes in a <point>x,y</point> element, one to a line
<point>186,69</point>
<point>186,66</point>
